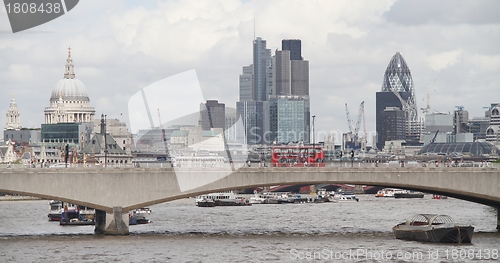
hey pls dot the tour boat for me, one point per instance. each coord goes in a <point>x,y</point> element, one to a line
<point>57,208</point>
<point>206,203</point>
<point>216,196</point>
<point>222,199</point>
<point>345,196</point>
<point>409,194</point>
<point>71,216</point>
<point>388,192</point>
<point>433,228</point>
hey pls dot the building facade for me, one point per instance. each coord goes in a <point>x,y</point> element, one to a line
<point>246,84</point>
<point>213,115</point>
<point>255,119</point>
<point>290,119</point>
<point>393,119</point>
<point>493,130</point>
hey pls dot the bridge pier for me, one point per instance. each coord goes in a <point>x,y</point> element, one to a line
<point>498,218</point>
<point>115,223</point>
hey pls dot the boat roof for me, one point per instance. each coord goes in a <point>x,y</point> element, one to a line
<point>430,219</point>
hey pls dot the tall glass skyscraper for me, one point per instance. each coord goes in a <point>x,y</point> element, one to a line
<point>255,117</point>
<point>261,58</point>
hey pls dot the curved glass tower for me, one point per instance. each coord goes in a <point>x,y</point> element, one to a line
<point>397,78</point>
<point>396,107</point>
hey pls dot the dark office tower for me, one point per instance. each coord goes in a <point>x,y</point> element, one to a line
<point>386,100</point>
<point>394,121</point>
<point>213,115</point>
<point>398,91</point>
<point>261,57</point>
<point>294,45</point>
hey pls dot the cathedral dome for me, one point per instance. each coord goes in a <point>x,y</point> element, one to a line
<point>69,88</point>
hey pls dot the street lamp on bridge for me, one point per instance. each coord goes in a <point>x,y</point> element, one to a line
<point>314,135</point>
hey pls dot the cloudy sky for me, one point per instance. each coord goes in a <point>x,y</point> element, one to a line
<point>118,47</point>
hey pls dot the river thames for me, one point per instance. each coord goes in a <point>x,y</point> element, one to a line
<point>182,232</point>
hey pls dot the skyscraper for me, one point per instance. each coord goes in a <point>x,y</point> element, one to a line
<point>290,107</point>
<point>256,85</point>
<point>261,58</point>
<point>294,45</point>
<point>397,91</point>
<point>255,118</point>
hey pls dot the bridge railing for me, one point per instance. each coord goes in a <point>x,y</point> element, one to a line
<point>262,165</point>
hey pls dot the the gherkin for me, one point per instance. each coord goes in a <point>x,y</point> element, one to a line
<point>397,78</point>
<point>396,109</point>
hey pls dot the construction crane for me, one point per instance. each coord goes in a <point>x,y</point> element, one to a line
<point>354,134</point>
<point>408,109</point>
<point>163,136</point>
<point>427,108</point>
<point>358,123</point>
<point>349,122</point>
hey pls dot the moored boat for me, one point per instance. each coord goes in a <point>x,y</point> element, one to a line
<point>388,192</point>
<point>221,199</point>
<point>345,196</point>
<point>56,209</point>
<point>433,228</point>
<point>71,216</point>
<point>409,194</point>
<point>206,203</point>
<point>139,216</point>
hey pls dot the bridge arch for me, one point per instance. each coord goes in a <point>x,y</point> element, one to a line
<point>123,189</point>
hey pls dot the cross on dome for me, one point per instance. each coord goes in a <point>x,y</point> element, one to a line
<point>70,69</point>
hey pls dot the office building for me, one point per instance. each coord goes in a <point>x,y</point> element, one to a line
<point>213,115</point>
<point>294,46</point>
<point>290,119</point>
<point>255,119</point>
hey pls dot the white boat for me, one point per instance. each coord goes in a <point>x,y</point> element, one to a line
<point>55,212</point>
<point>57,208</point>
<point>326,196</point>
<point>388,192</point>
<point>257,199</point>
<point>345,196</point>
<point>230,195</point>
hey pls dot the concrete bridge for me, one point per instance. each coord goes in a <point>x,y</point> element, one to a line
<point>113,192</point>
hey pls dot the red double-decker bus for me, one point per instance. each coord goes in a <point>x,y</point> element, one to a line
<point>289,156</point>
